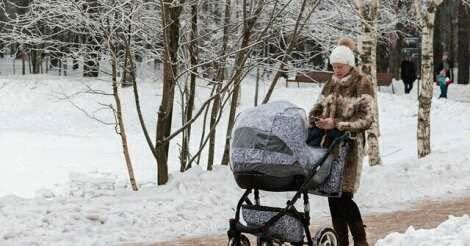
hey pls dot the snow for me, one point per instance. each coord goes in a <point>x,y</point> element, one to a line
<point>455,231</point>
<point>63,178</point>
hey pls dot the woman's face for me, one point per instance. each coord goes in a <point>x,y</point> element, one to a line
<point>341,70</point>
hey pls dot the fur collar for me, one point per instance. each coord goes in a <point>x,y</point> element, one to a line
<point>350,78</point>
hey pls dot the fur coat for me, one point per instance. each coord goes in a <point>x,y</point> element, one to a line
<point>350,102</point>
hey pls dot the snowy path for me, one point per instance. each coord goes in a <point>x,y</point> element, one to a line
<point>423,215</point>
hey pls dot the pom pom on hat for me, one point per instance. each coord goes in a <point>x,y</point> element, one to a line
<point>343,53</point>
<point>348,42</point>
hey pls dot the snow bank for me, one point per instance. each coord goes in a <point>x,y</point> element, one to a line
<point>97,210</point>
<point>455,231</point>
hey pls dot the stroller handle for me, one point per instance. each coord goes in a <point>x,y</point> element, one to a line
<point>345,136</point>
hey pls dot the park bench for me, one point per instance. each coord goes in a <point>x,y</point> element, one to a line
<point>383,79</point>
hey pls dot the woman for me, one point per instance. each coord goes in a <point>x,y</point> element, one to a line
<point>345,103</point>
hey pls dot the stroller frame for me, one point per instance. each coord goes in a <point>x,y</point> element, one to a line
<point>237,228</point>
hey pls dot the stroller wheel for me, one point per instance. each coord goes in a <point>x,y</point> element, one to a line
<point>243,241</point>
<point>325,237</point>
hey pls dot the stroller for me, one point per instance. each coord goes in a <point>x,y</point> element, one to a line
<point>269,153</point>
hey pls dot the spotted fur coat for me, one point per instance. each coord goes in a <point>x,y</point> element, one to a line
<point>349,101</point>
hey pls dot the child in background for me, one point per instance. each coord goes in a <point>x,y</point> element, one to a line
<point>443,81</point>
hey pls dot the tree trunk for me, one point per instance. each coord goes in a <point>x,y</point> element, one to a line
<point>257,86</point>
<point>192,88</point>
<point>91,57</point>
<point>91,60</point>
<point>426,92</point>
<point>47,63</point>
<point>137,105</point>
<point>29,63</point>
<point>463,44</point>
<point>1,49</point>
<point>75,63</point>
<point>219,80</point>
<point>204,141</point>
<point>171,26</point>
<point>23,63</point>
<point>120,122</point>
<point>65,66</point>
<point>36,60</point>
<point>60,67</point>
<point>127,71</point>
<point>203,133</point>
<point>213,118</point>
<point>368,45</point>
<point>129,56</point>
<point>394,62</point>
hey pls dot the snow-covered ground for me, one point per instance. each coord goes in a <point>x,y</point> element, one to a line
<point>454,231</point>
<point>63,178</point>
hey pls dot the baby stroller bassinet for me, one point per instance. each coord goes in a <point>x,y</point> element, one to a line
<point>269,152</point>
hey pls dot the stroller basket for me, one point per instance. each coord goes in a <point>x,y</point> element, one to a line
<point>288,228</point>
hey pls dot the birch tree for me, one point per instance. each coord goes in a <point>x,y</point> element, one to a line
<point>120,128</point>
<point>425,12</point>
<point>368,11</point>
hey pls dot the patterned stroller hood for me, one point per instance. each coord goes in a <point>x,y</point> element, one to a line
<point>270,139</point>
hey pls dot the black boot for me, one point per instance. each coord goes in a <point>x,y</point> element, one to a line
<point>359,233</point>
<point>341,228</point>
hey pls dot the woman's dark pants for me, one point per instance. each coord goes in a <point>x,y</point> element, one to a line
<point>344,214</point>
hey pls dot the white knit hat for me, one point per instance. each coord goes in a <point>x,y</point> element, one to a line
<point>342,54</point>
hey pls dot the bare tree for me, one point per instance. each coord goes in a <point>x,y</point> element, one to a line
<point>121,130</point>
<point>216,105</point>
<point>249,21</point>
<point>91,64</point>
<point>189,107</point>
<point>292,41</point>
<point>171,29</point>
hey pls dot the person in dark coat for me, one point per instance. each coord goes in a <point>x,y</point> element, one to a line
<point>408,74</point>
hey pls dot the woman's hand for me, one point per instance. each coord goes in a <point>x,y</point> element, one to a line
<point>325,124</point>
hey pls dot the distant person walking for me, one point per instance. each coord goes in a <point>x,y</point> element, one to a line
<point>408,74</point>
